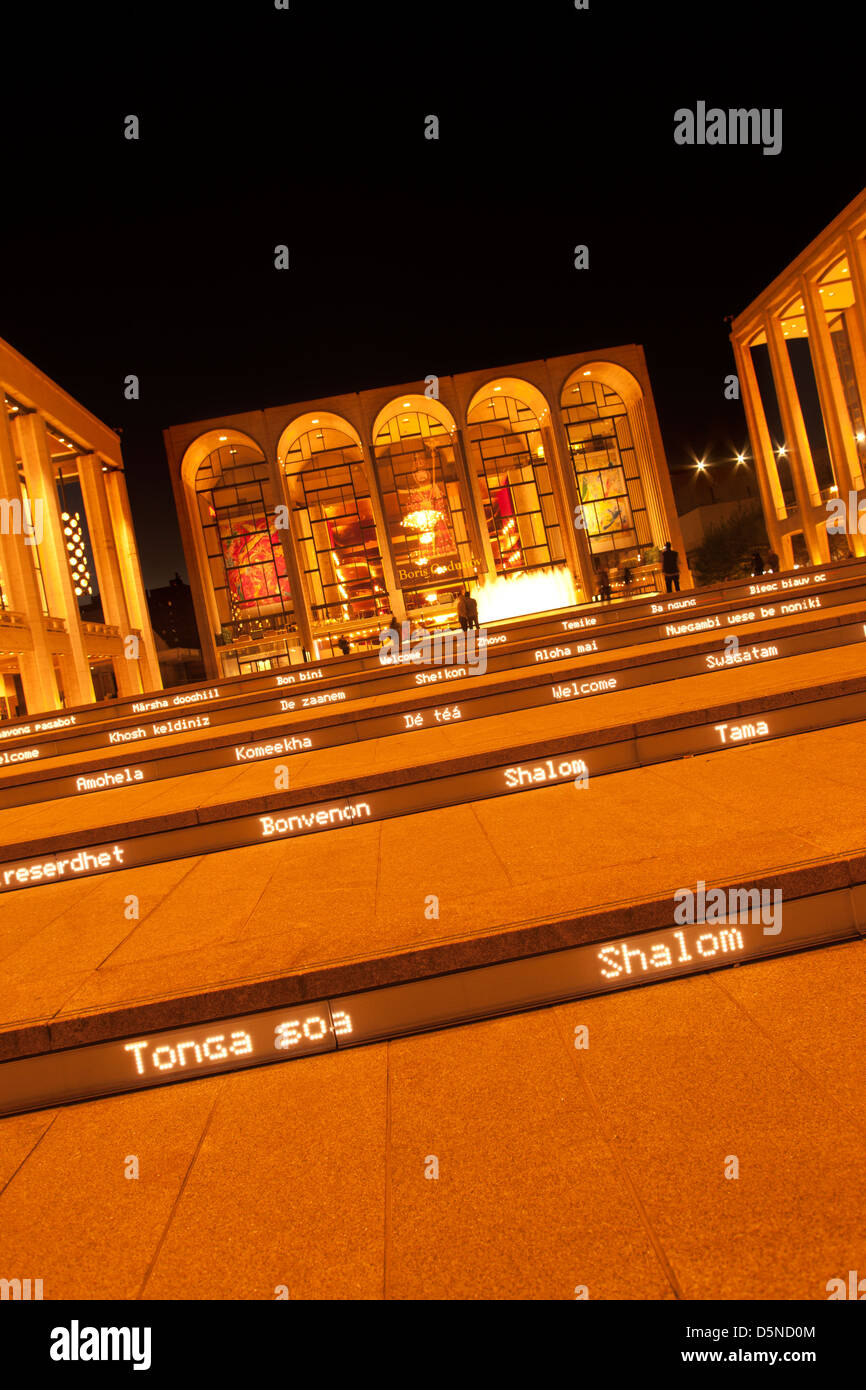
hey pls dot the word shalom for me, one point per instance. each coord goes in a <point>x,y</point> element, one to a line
<point>733,127</point>
<point>623,959</point>
<point>548,771</point>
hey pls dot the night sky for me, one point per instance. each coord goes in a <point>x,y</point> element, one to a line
<point>408,256</point>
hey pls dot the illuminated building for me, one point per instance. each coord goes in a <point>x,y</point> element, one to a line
<point>305,521</point>
<point>65,530</point>
<point>800,350</point>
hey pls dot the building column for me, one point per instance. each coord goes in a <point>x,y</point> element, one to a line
<point>473,511</point>
<point>92,480</point>
<point>766,472</point>
<point>796,439</point>
<point>301,607</point>
<point>23,591</point>
<point>855,318</point>
<point>577,546</point>
<point>843,452</point>
<point>137,610</point>
<point>30,434</point>
<point>383,535</point>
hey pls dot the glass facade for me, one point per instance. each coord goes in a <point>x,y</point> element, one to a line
<point>247,568</point>
<point>507,447</point>
<point>424,509</point>
<point>334,527</point>
<point>606,471</point>
<point>433,499</point>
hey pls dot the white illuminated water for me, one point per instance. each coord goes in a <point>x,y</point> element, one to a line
<point>516,595</point>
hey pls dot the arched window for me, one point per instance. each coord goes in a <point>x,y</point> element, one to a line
<point>247,568</point>
<point>606,470</point>
<point>420,486</point>
<point>334,526</point>
<point>505,440</point>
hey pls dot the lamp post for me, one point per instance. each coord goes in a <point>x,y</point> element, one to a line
<point>702,469</point>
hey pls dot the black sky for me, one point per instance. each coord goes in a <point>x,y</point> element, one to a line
<point>408,256</point>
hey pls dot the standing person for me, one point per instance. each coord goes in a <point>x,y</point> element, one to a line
<point>471,610</point>
<point>343,644</point>
<point>604,585</point>
<point>389,633</point>
<point>626,578</point>
<point>671,568</point>
<point>462,610</point>
<point>757,563</point>
<point>773,562</point>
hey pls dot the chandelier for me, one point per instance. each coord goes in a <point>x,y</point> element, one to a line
<point>422,514</point>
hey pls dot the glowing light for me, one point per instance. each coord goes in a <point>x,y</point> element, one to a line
<point>782,451</point>
<point>422,520</point>
<point>515,595</point>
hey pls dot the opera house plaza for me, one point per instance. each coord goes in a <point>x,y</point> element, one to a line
<point>398,961</point>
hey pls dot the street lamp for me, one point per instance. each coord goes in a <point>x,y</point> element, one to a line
<point>701,467</point>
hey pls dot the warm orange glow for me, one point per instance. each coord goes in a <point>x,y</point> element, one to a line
<point>515,595</point>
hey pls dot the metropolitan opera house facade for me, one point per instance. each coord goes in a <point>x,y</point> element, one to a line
<point>305,522</point>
